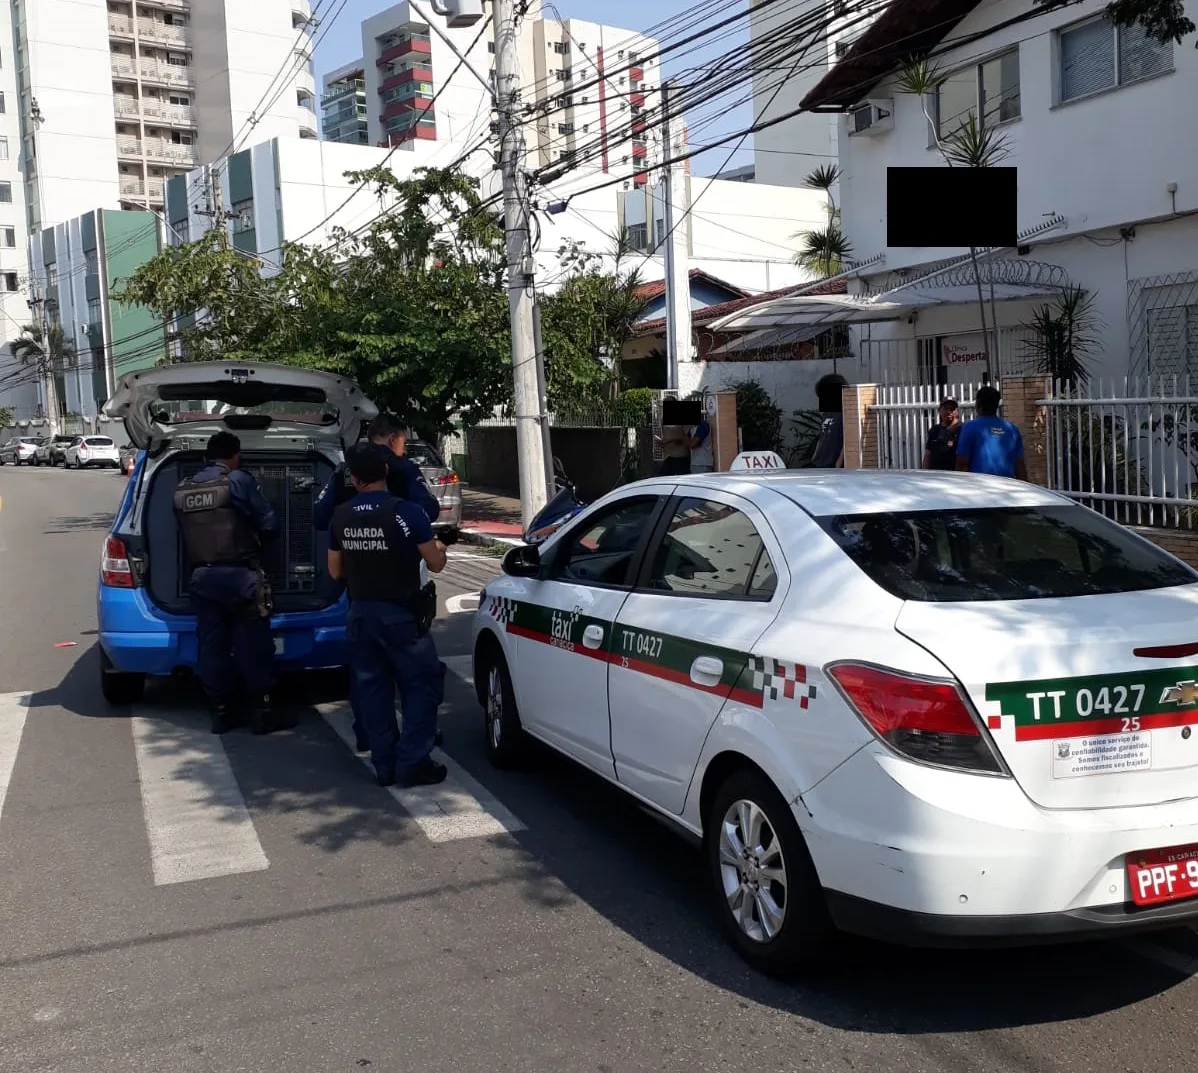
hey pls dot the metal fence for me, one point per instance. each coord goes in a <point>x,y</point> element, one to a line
<point>905,413</point>
<point>1127,448</point>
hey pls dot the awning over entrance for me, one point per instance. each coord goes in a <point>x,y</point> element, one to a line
<point>825,310</point>
<point>768,339</point>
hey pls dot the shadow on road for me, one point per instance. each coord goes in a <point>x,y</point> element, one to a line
<point>98,522</point>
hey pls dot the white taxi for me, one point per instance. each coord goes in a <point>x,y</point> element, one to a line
<point>930,708</point>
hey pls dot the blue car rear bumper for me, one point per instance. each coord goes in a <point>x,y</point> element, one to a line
<point>140,638</point>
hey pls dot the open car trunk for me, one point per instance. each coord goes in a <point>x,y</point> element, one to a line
<point>295,562</point>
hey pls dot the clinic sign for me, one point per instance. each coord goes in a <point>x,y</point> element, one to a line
<point>756,462</point>
<point>962,351</point>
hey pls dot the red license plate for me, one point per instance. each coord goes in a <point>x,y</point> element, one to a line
<point>1163,875</point>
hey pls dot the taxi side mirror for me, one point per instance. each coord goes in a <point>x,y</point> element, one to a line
<point>522,561</point>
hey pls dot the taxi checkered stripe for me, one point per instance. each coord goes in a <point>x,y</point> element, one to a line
<point>502,609</point>
<point>781,681</point>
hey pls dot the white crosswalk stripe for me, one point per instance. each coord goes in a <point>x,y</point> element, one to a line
<point>196,819</point>
<point>14,709</point>
<point>460,807</point>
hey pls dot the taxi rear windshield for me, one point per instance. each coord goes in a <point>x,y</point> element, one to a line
<point>1017,553</point>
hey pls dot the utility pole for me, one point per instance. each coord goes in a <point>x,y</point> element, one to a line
<point>39,297</point>
<point>678,289</point>
<point>543,395</point>
<point>521,267</point>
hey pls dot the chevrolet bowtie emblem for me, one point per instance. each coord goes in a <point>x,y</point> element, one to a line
<point>1182,693</point>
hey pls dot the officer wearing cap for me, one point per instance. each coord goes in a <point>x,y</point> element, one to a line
<point>377,543</point>
<point>404,481</point>
<point>223,517</point>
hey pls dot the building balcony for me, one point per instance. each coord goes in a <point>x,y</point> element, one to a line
<point>160,152</point>
<point>416,74</point>
<point>166,5</point>
<point>637,100</point>
<point>173,115</point>
<point>126,107</point>
<point>412,104</point>
<point>636,74</point>
<point>141,190</point>
<point>639,152</point>
<point>120,26</point>
<point>301,9</point>
<point>641,178</point>
<point>161,33</point>
<point>418,46</point>
<point>309,125</point>
<point>165,74</point>
<point>305,82</point>
<point>334,93</point>
<point>128,146</point>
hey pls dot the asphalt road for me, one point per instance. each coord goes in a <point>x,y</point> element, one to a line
<point>171,901</point>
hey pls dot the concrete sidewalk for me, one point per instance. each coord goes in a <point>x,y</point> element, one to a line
<point>490,518</point>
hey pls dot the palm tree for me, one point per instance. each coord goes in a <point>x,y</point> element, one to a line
<point>824,252</point>
<point>50,358</point>
<point>824,178</point>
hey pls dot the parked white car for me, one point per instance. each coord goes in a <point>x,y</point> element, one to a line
<point>92,451</point>
<point>925,707</point>
<point>20,450</point>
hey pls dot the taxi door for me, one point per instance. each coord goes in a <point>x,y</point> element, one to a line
<point>708,589</point>
<point>563,630</point>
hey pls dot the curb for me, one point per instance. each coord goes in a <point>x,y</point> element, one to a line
<point>480,538</point>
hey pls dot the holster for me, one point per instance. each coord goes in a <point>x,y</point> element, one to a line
<point>264,598</point>
<point>424,604</point>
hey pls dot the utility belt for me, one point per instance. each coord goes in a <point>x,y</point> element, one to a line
<point>422,604</point>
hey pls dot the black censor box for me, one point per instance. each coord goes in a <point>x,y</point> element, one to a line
<point>952,206</point>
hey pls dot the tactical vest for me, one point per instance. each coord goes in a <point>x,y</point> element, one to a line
<point>214,531</point>
<point>372,545</point>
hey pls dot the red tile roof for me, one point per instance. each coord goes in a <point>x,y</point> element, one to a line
<point>655,289</point>
<point>710,313</point>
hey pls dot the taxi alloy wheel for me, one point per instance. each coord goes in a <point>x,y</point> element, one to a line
<point>768,894</point>
<point>504,736</point>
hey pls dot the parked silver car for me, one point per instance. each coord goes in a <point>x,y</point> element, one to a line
<point>20,450</point>
<point>53,452</point>
<point>444,482</point>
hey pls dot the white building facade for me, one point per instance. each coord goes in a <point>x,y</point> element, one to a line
<point>1108,199</point>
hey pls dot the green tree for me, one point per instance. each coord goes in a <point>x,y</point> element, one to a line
<point>590,316</point>
<point>5,416</point>
<point>28,347</point>
<point>825,250</point>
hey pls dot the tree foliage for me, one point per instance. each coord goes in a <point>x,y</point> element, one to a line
<point>413,306</point>
<point>1165,20</point>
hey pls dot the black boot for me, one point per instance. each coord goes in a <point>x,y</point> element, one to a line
<point>427,773</point>
<point>222,716</point>
<point>265,720</point>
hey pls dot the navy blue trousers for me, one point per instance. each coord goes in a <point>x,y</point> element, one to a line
<point>233,640</point>
<point>386,654</point>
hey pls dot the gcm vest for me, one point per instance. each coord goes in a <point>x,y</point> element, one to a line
<point>372,551</point>
<point>214,531</point>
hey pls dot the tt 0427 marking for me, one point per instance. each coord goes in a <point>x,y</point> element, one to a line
<point>641,644</point>
<point>1098,704</point>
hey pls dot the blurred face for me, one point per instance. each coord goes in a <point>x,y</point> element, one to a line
<point>395,443</point>
<point>948,415</point>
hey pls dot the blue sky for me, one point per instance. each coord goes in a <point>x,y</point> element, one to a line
<point>342,43</point>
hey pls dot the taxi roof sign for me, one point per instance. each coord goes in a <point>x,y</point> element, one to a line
<point>756,461</point>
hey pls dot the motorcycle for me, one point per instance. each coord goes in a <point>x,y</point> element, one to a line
<point>561,508</point>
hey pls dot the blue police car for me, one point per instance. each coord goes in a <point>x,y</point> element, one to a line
<point>294,425</point>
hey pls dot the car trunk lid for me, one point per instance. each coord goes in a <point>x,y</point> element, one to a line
<point>1091,700</point>
<point>196,399</point>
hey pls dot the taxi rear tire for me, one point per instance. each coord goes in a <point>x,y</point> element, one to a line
<point>765,885</point>
<point>118,687</point>
<point>504,739</point>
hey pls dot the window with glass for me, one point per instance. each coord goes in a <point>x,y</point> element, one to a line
<point>9,236</point>
<point>1098,55</point>
<point>601,551</point>
<point>1015,553</point>
<point>712,550</point>
<point>988,91</point>
<point>6,193</point>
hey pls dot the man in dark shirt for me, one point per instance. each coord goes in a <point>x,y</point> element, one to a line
<point>940,450</point>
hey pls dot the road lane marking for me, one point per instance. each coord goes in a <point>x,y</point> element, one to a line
<point>458,808</point>
<point>195,815</point>
<point>14,708</point>
<point>462,666</point>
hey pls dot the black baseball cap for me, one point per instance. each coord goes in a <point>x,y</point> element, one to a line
<point>948,404</point>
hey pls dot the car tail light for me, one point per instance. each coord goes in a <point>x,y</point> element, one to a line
<point>449,478</point>
<point>923,719</point>
<point>115,571</point>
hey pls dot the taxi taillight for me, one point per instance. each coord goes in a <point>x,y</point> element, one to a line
<point>923,719</point>
<point>115,571</point>
<point>449,478</point>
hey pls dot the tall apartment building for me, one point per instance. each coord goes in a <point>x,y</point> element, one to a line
<point>595,85</point>
<point>131,92</point>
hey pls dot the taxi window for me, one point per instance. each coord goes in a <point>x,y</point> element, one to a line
<point>601,551</point>
<point>1024,553</point>
<point>711,550</point>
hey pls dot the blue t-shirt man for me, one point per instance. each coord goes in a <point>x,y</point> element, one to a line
<point>989,443</point>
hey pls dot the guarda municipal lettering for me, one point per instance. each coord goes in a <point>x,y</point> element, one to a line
<point>199,500</point>
<point>364,538</point>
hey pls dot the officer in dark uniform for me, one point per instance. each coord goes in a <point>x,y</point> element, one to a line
<point>377,543</point>
<point>223,517</point>
<point>404,481</point>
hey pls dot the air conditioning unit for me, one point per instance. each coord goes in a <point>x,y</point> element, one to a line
<point>875,116</point>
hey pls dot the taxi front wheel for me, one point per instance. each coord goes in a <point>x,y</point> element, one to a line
<point>504,738</point>
<point>766,888</point>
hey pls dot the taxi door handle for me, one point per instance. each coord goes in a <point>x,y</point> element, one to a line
<point>592,637</point>
<point>707,671</point>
